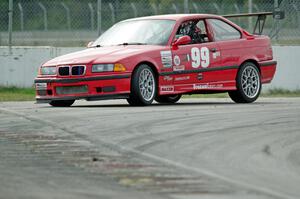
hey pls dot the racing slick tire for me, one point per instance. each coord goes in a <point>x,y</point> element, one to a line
<point>167,99</point>
<point>248,83</point>
<point>61,103</point>
<point>143,86</point>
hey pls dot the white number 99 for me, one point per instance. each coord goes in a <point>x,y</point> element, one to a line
<point>200,57</point>
<point>195,55</point>
<point>204,57</point>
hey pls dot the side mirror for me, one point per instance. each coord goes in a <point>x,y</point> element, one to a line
<point>182,40</point>
<point>90,44</point>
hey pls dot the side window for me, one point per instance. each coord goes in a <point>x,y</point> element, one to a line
<point>223,31</point>
<point>196,29</point>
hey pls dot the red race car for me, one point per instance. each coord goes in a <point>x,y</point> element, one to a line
<point>161,58</point>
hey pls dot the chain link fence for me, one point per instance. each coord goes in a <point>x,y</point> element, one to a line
<point>75,22</point>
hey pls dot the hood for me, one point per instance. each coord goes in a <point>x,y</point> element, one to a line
<point>111,54</point>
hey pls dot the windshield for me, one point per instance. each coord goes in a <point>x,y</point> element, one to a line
<point>155,32</point>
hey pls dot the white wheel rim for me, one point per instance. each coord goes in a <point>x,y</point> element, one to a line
<point>147,84</point>
<point>250,81</point>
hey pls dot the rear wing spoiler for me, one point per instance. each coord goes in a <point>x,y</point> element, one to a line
<point>261,19</point>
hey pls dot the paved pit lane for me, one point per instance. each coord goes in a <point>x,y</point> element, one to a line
<point>211,148</point>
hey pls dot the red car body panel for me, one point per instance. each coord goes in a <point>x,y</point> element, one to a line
<point>181,78</point>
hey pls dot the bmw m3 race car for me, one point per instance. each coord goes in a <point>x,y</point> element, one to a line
<point>161,58</point>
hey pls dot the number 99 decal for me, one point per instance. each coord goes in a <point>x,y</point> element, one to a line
<point>200,57</point>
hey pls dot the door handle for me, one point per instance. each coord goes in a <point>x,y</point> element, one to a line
<point>213,50</point>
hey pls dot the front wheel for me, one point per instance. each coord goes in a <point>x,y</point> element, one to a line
<point>168,98</point>
<point>248,83</point>
<point>61,103</point>
<point>143,86</point>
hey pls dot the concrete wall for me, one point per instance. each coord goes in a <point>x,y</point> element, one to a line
<point>20,68</point>
<point>288,68</point>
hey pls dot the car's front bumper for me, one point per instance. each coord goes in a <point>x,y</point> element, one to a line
<point>89,88</point>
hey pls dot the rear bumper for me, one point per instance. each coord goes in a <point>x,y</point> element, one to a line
<point>268,69</point>
<point>89,88</point>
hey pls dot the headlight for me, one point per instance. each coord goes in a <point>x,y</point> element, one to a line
<point>48,70</point>
<point>96,68</point>
<point>102,68</point>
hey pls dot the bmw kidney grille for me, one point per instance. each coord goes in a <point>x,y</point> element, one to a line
<point>78,70</point>
<point>71,70</point>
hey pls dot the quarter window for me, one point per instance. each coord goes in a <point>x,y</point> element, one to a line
<point>223,31</point>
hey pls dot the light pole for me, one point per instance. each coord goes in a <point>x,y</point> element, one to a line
<point>10,24</point>
<point>99,19</point>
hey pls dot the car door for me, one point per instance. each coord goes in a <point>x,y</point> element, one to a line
<point>192,62</point>
<point>231,47</point>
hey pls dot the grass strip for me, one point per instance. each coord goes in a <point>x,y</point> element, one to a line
<point>16,94</point>
<point>279,92</point>
<point>28,94</point>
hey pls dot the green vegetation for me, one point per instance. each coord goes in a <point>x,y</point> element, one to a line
<point>278,92</point>
<point>16,94</point>
<point>83,20</point>
<point>81,14</point>
<point>28,94</point>
<point>292,42</point>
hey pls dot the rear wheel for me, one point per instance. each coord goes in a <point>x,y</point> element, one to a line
<point>248,83</point>
<point>168,98</point>
<point>143,86</point>
<point>61,103</point>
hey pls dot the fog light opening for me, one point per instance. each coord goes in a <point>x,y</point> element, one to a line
<point>99,89</point>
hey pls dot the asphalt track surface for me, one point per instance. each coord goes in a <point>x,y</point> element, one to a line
<point>198,148</point>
